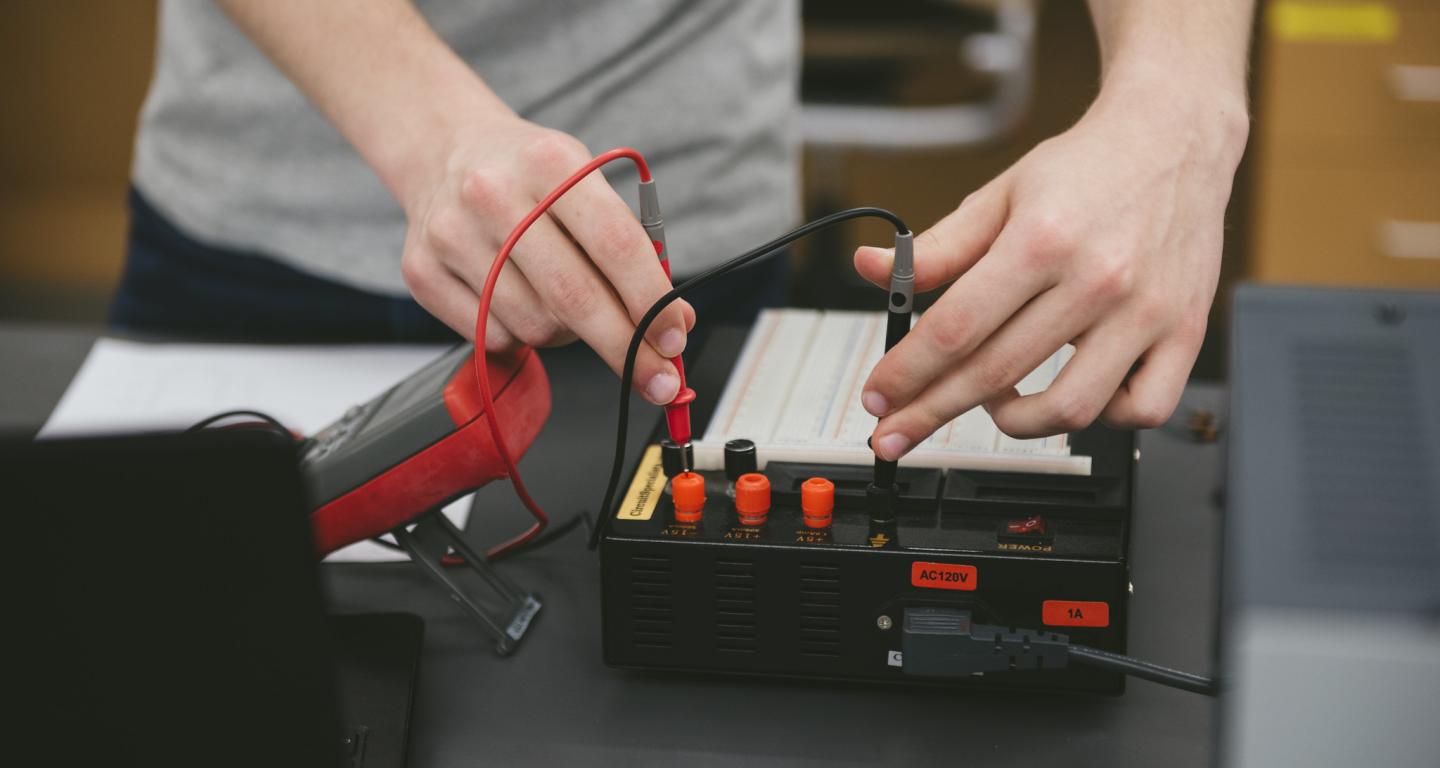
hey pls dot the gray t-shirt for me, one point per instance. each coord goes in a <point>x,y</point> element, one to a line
<point>235,156</point>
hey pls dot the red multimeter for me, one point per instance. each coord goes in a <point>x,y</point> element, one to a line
<point>396,460</point>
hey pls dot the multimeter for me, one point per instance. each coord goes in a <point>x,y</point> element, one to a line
<point>396,460</point>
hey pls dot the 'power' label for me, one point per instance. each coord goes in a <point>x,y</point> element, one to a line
<point>943,576</point>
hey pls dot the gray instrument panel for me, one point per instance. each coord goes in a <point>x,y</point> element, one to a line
<point>1334,450</point>
<point>371,438</point>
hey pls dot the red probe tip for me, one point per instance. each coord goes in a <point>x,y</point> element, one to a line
<point>677,416</point>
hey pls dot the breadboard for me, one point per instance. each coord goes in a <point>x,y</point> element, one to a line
<point>795,391</point>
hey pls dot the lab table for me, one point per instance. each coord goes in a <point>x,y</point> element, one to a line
<point>554,702</point>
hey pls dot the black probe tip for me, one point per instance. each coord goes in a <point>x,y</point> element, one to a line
<point>881,500</point>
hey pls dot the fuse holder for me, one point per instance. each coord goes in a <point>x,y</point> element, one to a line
<point>752,498</point>
<point>817,502</point>
<point>687,490</point>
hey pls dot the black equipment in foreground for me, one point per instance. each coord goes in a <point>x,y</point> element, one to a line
<point>169,612</point>
<point>928,597</point>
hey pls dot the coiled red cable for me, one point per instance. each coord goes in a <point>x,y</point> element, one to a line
<point>487,398</point>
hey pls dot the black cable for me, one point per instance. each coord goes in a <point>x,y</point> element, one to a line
<point>1155,673</point>
<point>554,534</point>
<point>270,421</point>
<point>550,536</point>
<point>627,375</point>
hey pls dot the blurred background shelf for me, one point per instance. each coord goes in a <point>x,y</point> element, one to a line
<point>1347,145</point>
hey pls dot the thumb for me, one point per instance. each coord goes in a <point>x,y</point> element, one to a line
<point>946,250</point>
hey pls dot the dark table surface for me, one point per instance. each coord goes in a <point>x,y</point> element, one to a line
<point>555,703</point>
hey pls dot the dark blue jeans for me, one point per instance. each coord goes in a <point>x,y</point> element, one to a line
<point>174,285</point>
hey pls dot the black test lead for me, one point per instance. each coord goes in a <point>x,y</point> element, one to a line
<point>900,307</point>
<point>627,371</point>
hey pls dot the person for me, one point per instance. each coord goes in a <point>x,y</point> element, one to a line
<point>300,166</point>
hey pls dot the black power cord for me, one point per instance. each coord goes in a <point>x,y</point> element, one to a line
<point>627,376</point>
<point>1155,673</point>
<point>946,642</point>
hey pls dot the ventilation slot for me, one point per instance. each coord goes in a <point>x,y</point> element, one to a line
<point>735,614</point>
<point>1368,492</point>
<point>652,602</point>
<point>819,610</point>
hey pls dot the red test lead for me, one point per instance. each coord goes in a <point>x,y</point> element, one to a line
<point>487,397</point>
<point>677,412</point>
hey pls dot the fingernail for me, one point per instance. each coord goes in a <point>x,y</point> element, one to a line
<point>892,446</point>
<point>875,403</point>
<point>672,343</point>
<point>663,388</point>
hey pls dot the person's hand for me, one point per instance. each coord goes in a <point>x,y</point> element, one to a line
<point>587,270</point>
<point>1108,237</point>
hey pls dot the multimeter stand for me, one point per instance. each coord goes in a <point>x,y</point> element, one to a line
<point>506,623</point>
<point>390,464</point>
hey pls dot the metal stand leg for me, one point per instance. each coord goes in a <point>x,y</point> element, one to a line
<point>518,608</point>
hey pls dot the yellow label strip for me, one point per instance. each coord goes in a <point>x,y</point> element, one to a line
<point>646,489</point>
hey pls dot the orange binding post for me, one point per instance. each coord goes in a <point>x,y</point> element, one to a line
<point>752,498</point>
<point>817,502</point>
<point>687,489</point>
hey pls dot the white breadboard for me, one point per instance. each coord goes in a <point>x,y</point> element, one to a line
<point>795,391</point>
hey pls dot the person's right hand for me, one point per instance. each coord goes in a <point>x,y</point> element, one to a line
<point>586,270</point>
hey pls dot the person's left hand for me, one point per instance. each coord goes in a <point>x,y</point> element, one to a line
<point>1108,237</point>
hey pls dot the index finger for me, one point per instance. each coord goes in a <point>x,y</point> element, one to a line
<point>963,317</point>
<point>946,250</point>
<point>608,232</point>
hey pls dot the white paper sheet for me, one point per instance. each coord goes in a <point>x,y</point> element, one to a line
<point>126,386</point>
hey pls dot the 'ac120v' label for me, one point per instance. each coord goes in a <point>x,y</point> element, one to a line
<point>943,576</point>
